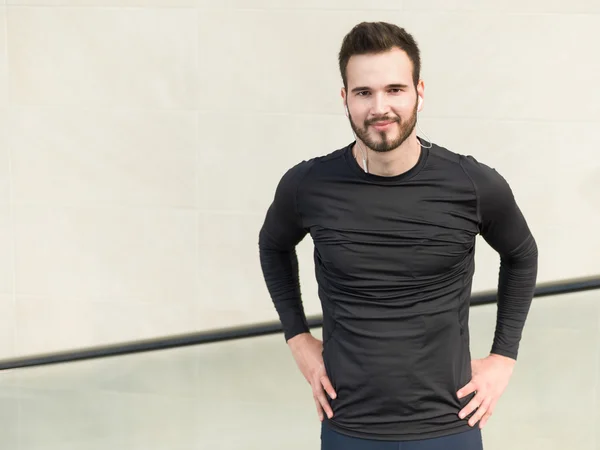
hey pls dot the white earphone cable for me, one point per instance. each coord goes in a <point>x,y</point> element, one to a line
<point>427,138</point>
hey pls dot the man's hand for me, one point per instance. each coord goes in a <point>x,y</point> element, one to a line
<point>490,377</point>
<point>307,352</point>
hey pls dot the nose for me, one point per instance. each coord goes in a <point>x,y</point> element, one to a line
<point>380,105</point>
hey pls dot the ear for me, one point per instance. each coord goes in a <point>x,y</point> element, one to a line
<point>420,94</point>
<point>344,101</point>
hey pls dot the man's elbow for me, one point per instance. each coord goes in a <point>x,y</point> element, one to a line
<point>525,256</point>
<point>267,243</point>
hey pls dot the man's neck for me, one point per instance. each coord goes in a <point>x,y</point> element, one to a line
<point>392,163</point>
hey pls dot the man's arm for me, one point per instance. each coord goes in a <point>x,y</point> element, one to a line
<point>504,228</point>
<point>281,232</point>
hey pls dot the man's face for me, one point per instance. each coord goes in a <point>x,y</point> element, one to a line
<point>382,99</point>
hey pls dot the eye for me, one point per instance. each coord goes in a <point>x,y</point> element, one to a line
<point>362,93</point>
<point>395,91</point>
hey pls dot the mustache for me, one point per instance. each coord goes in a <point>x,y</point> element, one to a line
<point>381,119</point>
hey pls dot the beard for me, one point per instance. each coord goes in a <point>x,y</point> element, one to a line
<point>387,140</point>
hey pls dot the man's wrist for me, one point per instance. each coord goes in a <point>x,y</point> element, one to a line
<point>298,338</point>
<point>503,358</point>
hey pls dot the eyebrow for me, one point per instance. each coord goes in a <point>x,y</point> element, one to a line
<point>389,86</point>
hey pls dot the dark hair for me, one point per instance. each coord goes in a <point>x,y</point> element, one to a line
<point>377,37</point>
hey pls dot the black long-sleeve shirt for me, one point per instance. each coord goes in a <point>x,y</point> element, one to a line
<point>394,261</point>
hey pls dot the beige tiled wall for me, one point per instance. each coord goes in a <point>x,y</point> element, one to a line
<point>141,142</point>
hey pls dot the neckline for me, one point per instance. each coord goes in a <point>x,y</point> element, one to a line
<point>358,170</point>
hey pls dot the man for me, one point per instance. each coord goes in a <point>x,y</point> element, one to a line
<point>394,221</point>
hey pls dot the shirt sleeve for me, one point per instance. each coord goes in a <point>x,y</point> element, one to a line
<point>504,228</point>
<point>281,232</point>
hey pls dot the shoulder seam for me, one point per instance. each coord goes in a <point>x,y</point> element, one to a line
<point>460,162</point>
<point>445,157</point>
<point>331,157</point>
<point>311,165</point>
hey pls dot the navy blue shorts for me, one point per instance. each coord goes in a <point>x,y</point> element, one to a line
<point>469,440</point>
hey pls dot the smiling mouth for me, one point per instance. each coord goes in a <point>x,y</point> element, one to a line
<point>382,125</point>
